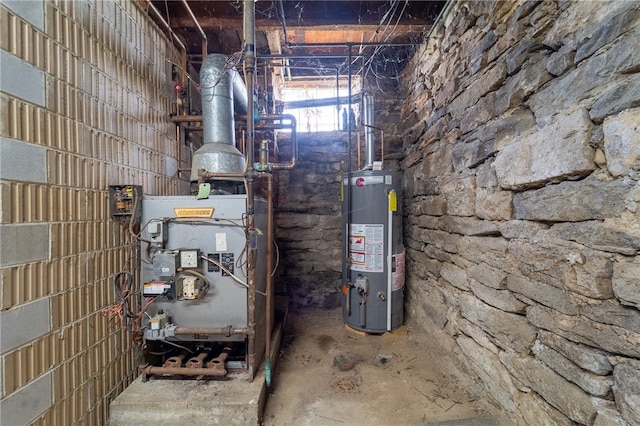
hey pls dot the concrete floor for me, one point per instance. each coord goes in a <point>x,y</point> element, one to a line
<point>327,374</point>
<point>399,378</point>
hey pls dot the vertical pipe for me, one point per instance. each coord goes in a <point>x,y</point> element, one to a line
<point>249,69</point>
<point>367,104</point>
<point>346,270</point>
<point>269,289</point>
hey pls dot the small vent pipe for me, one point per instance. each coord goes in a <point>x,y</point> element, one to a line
<point>367,101</point>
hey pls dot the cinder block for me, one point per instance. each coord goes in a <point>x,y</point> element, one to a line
<point>22,161</point>
<point>28,403</point>
<point>23,243</point>
<point>24,323</point>
<point>32,11</point>
<point>21,79</point>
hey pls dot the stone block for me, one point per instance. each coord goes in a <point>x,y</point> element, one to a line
<point>434,205</point>
<point>460,324</point>
<point>501,299</point>
<point>564,265</point>
<point>572,201</point>
<point>494,204</point>
<point>520,229</point>
<point>542,293</point>
<point>488,81</point>
<point>609,416</point>
<point>626,389</point>
<point>579,84</point>
<point>557,151</point>
<point>625,282</point>
<point>560,61</point>
<point>622,142</point>
<point>455,276</point>
<point>422,265</point>
<point>520,86</point>
<point>468,155</point>
<point>568,398</point>
<point>589,382</point>
<point>610,312</point>
<point>605,34</point>
<point>617,236</point>
<point>584,356</point>
<point>490,250</point>
<point>488,276</point>
<point>624,95</point>
<point>460,194</point>
<point>493,374</point>
<point>536,411</point>
<point>467,226</point>
<point>583,330</point>
<point>510,330</point>
<point>479,114</point>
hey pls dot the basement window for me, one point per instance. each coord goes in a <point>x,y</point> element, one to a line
<point>314,104</point>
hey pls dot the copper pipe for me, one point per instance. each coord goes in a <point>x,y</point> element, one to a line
<point>182,371</point>
<point>272,126</point>
<point>269,284</point>
<point>187,118</point>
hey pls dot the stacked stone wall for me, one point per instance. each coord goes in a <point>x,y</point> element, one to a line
<point>521,131</point>
<point>308,220</point>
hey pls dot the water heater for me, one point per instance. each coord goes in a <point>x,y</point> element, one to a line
<point>373,270</point>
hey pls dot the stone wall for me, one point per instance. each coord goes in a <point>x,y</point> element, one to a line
<point>308,220</point>
<point>522,161</point>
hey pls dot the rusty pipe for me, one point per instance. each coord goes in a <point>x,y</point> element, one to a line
<point>218,362</point>
<point>187,118</point>
<point>175,361</point>
<point>183,371</point>
<point>183,55</point>
<point>269,283</point>
<point>202,34</point>
<point>198,361</point>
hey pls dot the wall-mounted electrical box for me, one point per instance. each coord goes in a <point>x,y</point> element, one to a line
<point>125,200</point>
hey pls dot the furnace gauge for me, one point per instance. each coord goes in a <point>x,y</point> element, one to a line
<point>189,259</point>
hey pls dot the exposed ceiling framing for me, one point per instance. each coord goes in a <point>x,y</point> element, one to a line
<point>307,39</point>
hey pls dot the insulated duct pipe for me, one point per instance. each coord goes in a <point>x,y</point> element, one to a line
<point>367,101</point>
<point>220,87</point>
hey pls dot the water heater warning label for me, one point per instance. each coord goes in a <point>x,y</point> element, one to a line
<point>366,247</point>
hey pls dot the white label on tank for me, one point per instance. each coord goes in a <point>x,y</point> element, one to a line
<point>221,241</point>
<point>366,247</point>
<point>388,180</point>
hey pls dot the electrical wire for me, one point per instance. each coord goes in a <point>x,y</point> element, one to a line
<point>234,277</point>
<point>122,290</point>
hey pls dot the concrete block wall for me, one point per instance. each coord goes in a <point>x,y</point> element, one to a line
<point>85,90</point>
<point>522,169</point>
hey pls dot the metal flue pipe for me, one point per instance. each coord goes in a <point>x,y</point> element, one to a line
<point>367,101</point>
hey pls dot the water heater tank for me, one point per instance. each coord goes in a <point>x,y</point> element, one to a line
<point>373,270</point>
